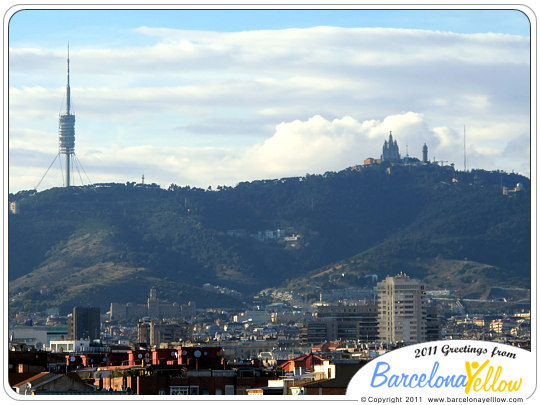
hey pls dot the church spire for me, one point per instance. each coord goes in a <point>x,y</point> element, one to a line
<point>391,150</point>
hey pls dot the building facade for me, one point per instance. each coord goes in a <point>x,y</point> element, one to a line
<point>343,322</point>
<point>84,323</point>
<point>154,333</point>
<point>154,309</point>
<point>402,310</point>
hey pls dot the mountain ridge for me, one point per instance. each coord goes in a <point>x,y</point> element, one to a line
<point>120,239</point>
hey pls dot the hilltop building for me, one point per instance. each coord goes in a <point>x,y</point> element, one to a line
<point>13,208</point>
<point>402,310</point>
<point>390,156</point>
<point>390,151</point>
<point>509,191</point>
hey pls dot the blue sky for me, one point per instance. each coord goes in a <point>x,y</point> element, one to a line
<point>206,97</point>
<point>26,25</point>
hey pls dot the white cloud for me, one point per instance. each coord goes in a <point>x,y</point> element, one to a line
<point>336,92</point>
<point>316,145</point>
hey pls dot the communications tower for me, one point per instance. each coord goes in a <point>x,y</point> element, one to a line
<point>66,139</point>
<point>66,131</point>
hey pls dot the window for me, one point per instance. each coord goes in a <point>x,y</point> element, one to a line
<point>229,390</point>
<point>194,390</point>
<point>179,390</point>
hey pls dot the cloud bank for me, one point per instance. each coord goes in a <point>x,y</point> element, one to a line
<point>207,108</point>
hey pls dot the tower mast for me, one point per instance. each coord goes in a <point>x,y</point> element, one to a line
<point>464,150</point>
<point>66,137</point>
<point>68,89</point>
<point>67,131</point>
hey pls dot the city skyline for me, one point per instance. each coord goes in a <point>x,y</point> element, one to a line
<point>245,95</point>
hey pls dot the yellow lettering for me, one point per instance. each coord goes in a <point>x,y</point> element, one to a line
<point>471,376</point>
<point>488,376</point>
<point>497,374</point>
<point>477,383</point>
<point>516,386</point>
<point>501,387</point>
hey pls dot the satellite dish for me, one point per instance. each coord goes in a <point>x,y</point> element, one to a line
<point>184,352</point>
<point>173,354</point>
<point>72,358</point>
<point>140,356</point>
<point>147,355</point>
<point>197,353</point>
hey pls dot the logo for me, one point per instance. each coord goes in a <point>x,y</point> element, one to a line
<point>462,368</point>
<point>490,381</point>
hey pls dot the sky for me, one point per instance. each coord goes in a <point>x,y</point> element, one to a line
<point>215,97</point>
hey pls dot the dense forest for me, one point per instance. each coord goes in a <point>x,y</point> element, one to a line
<point>95,244</point>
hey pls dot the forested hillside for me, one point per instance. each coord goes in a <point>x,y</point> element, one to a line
<point>112,242</point>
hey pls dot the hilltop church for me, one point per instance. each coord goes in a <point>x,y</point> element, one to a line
<point>390,154</point>
<point>390,150</point>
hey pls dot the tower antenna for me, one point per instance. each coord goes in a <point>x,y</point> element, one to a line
<point>67,131</point>
<point>66,136</point>
<point>68,89</point>
<point>464,149</point>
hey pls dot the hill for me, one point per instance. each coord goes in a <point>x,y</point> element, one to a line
<point>111,242</point>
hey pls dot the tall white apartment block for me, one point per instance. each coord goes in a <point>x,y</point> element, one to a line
<point>401,310</point>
